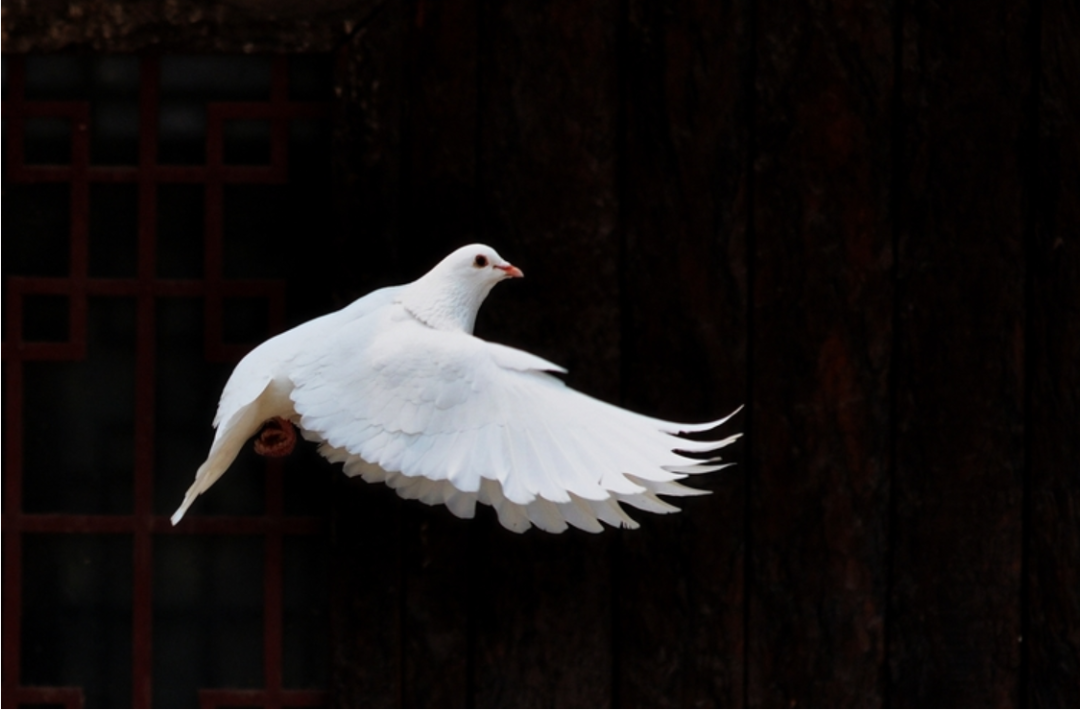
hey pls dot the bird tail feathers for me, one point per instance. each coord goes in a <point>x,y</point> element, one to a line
<point>235,433</point>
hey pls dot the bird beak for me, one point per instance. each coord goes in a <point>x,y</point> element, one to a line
<point>511,271</point>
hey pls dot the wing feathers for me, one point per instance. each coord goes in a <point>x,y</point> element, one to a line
<point>462,504</point>
<point>579,514</point>
<point>446,418</point>
<point>547,515</point>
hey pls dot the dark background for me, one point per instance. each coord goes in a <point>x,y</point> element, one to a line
<point>859,219</point>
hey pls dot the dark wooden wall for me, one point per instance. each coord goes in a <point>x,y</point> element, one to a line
<point>862,220</point>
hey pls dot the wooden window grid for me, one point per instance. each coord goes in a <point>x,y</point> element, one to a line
<point>142,525</point>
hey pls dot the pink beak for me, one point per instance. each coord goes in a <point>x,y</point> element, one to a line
<point>511,271</point>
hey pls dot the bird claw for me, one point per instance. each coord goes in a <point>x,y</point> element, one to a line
<point>277,438</point>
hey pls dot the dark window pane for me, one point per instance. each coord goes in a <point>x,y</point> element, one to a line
<point>114,129</point>
<point>308,477</point>
<point>57,77</point>
<point>116,76</point>
<point>47,141</point>
<point>208,616</point>
<point>181,132</point>
<point>76,628</point>
<point>60,77</point>
<point>247,142</point>
<point>37,229</point>
<point>114,229</point>
<point>246,320</point>
<point>307,642</point>
<point>114,132</point>
<point>257,230</point>
<point>311,214</point>
<point>243,78</point>
<point>79,420</point>
<point>45,318</point>
<point>180,229</point>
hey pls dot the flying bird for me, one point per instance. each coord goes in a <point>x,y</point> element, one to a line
<point>397,389</point>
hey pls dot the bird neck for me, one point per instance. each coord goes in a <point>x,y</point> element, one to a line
<point>444,304</point>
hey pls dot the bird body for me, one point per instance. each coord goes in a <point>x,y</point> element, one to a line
<point>397,389</point>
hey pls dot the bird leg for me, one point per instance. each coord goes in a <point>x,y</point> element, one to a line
<point>277,438</point>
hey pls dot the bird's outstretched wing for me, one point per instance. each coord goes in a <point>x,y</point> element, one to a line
<point>449,418</point>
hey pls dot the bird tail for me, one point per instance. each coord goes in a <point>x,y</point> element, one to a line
<point>241,427</point>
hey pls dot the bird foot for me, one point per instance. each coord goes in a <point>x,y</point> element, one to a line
<point>277,438</point>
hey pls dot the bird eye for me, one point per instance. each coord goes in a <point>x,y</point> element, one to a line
<point>480,260</point>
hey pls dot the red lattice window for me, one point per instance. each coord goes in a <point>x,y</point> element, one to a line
<point>150,205</point>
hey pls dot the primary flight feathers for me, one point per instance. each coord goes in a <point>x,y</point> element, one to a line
<point>397,389</point>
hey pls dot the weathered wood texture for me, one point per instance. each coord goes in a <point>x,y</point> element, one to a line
<point>678,580</point>
<point>181,25</point>
<point>820,354</point>
<point>958,489</point>
<point>1052,427</point>
<point>861,220</point>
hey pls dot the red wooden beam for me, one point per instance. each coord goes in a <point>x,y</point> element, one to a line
<point>230,698</point>
<point>143,557</point>
<point>64,697</point>
<point>160,524</point>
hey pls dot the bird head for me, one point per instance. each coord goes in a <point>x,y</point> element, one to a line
<point>481,264</point>
<point>449,296</point>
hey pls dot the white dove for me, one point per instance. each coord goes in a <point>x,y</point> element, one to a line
<point>396,388</point>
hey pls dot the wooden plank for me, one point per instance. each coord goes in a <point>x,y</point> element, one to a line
<point>365,559</point>
<point>540,619</point>
<point>439,138</point>
<point>1052,636</point>
<point>436,602</point>
<point>440,127</point>
<point>367,155</point>
<point>955,607</point>
<point>548,101</point>
<point>679,580</point>
<point>820,354</point>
